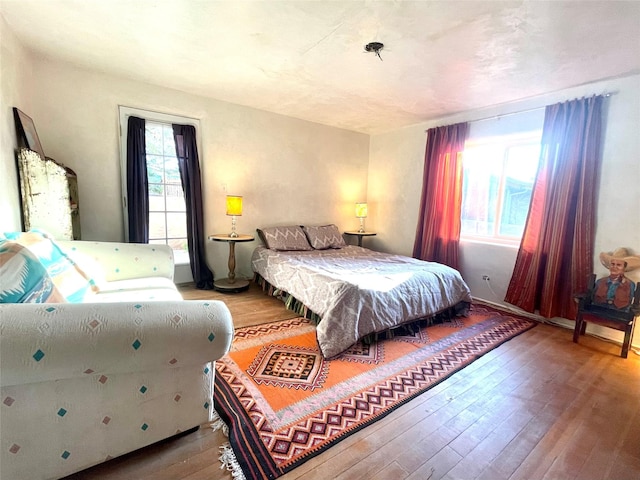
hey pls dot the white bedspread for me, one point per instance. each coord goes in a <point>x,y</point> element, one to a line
<point>357,291</point>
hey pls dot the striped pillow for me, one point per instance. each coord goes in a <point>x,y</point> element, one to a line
<point>70,280</point>
<point>24,279</point>
<point>285,238</point>
<point>325,236</point>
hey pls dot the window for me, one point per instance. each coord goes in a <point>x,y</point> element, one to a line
<point>498,175</point>
<point>167,209</point>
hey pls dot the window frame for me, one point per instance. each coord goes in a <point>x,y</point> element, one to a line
<point>124,113</point>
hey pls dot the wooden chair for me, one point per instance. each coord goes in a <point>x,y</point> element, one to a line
<point>606,316</point>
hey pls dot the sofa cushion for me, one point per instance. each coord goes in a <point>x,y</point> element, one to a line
<point>24,278</point>
<point>133,295</point>
<point>136,290</point>
<point>149,283</point>
<point>67,276</point>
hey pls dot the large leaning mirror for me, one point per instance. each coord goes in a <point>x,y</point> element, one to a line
<point>44,189</point>
<point>48,189</point>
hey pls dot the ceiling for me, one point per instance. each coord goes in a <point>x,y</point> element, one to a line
<point>306,59</point>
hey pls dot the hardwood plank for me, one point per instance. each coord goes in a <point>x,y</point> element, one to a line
<point>251,307</point>
<point>510,458</point>
<point>393,470</point>
<point>176,453</point>
<point>540,461</point>
<point>537,407</point>
<point>437,466</point>
<point>484,452</point>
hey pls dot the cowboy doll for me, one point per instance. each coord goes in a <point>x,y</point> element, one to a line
<point>616,290</point>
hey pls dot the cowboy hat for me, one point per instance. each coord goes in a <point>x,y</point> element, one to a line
<point>633,261</point>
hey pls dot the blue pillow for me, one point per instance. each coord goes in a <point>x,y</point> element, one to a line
<point>69,279</point>
<point>24,278</point>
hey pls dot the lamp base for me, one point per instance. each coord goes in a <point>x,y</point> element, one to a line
<point>361,229</point>
<point>226,285</point>
<point>233,233</point>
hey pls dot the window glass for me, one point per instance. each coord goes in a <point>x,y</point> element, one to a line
<point>521,164</point>
<point>167,208</point>
<point>169,145</point>
<point>498,176</point>
<point>157,226</point>
<point>155,173</point>
<point>500,162</point>
<point>153,138</point>
<point>176,225</point>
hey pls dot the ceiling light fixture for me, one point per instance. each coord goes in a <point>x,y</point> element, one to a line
<point>374,47</point>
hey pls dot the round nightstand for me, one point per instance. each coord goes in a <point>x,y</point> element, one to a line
<point>231,283</point>
<point>360,235</point>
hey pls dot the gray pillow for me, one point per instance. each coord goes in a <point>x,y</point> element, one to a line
<point>285,238</point>
<point>324,236</point>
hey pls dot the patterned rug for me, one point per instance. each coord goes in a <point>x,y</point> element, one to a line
<point>284,403</point>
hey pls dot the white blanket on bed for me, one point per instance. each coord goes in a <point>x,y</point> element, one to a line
<point>357,291</point>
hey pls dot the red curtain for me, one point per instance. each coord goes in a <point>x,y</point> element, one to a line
<point>556,251</point>
<point>438,232</point>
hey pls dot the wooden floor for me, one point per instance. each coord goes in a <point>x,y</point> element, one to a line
<point>537,407</point>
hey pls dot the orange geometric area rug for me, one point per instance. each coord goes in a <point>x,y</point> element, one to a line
<point>284,403</point>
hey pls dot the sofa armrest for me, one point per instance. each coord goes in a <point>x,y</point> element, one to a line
<point>42,342</point>
<point>122,261</point>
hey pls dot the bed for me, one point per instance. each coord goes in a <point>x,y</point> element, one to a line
<point>353,291</point>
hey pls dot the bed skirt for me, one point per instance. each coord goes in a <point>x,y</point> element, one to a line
<point>461,309</point>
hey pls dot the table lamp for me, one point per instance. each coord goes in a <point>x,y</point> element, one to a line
<point>234,209</point>
<point>361,213</point>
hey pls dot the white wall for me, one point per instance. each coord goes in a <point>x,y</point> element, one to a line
<point>288,170</point>
<point>395,181</point>
<point>15,65</point>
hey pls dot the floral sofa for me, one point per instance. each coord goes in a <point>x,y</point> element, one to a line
<point>99,354</point>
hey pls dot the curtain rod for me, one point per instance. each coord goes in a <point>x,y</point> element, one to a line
<point>605,94</point>
<point>499,116</point>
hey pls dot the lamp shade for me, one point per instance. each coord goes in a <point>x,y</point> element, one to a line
<point>361,210</point>
<point>234,205</point>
